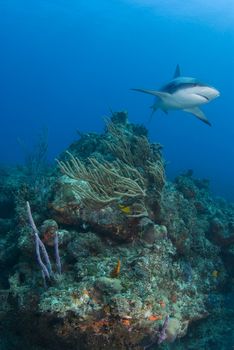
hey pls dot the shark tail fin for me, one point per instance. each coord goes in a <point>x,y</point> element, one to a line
<point>177,72</point>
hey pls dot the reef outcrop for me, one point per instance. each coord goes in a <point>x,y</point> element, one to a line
<point>142,259</point>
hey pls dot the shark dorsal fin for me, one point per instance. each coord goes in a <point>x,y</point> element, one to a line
<point>177,72</point>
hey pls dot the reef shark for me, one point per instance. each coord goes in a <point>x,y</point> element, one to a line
<point>183,93</point>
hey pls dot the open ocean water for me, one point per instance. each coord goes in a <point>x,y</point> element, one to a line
<point>64,64</point>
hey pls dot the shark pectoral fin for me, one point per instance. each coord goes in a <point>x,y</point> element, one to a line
<point>159,94</point>
<point>198,113</point>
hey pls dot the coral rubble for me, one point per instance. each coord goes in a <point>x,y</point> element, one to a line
<point>142,259</point>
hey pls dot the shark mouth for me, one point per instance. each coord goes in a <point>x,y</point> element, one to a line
<point>205,97</point>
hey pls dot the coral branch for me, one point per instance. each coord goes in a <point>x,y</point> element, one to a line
<point>106,182</point>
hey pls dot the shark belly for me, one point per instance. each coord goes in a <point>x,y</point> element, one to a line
<point>182,99</point>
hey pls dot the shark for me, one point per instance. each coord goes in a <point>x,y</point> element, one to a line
<point>183,93</point>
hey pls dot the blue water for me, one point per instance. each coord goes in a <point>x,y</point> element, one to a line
<point>65,63</point>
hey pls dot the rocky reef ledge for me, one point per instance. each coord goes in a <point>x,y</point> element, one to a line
<point>108,254</point>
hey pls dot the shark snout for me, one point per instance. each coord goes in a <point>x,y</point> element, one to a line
<point>210,93</point>
<point>217,93</point>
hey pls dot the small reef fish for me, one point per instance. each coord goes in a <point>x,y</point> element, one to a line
<point>154,317</point>
<point>215,273</point>
<point>183,93</point>
<point>125,209</point>
<point>116,271</point>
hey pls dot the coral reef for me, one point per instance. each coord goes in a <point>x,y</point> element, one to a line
<point>136,262</point>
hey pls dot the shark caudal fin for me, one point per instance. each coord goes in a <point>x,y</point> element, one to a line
<point>177,72</point>
<point>198,113</point>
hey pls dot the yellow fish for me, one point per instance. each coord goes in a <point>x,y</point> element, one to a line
<point>125,209</point>
<point>215,273</point>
